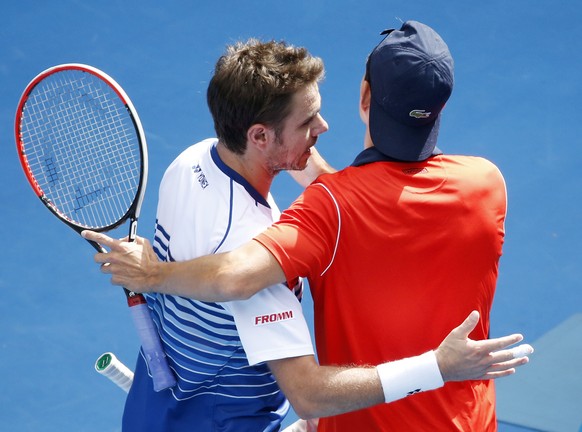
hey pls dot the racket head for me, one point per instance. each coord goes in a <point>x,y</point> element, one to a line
<point>82,147</point>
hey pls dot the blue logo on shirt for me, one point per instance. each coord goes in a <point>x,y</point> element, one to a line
<point>201,177</point>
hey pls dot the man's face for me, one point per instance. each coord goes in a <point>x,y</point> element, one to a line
<point>299,133</point>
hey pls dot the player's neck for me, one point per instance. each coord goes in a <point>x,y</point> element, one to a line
<point>249,167</point>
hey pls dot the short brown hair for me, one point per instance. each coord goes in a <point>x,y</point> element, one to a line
<point>254,82</point>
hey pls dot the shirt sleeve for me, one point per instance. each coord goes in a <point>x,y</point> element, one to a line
<point>305,239</point>
<point>271,325</point>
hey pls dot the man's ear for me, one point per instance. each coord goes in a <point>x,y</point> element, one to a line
<point>365,99</point>
<point>260,136</point>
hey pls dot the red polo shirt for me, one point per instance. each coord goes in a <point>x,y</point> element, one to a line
<point>397,255</point>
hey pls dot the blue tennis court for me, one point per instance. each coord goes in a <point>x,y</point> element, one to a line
<point>515,102</point>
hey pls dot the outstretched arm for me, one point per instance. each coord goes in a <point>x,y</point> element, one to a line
<point>235,275</point>
<point>320,391</point>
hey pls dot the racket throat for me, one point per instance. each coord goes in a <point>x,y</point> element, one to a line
<point>132,229</point>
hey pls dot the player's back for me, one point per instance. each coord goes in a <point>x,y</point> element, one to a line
<point>418,249</point>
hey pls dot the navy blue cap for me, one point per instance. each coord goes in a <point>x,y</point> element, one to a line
<point>411,78</point>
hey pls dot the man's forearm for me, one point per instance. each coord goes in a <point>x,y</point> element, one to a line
<point>322,391</point>
<point>235,275</point>
<point>208,278</point>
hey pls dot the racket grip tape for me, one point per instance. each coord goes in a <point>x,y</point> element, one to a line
<point>108,365</point>
<point>162,376</point>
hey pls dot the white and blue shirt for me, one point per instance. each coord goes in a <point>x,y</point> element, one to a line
<point>216,350</point>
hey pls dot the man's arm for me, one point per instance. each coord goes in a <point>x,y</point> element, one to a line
<point>314,391</point>
<point>235,275</point>
<point>320,391</point>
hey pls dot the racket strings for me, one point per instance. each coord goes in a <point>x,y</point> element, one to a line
<point>82,148</point>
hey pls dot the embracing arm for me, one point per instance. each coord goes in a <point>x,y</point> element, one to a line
<point>235,275</point>
<point>320,391</point>
<point>314,391</point>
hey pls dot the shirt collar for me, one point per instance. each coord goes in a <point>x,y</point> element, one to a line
<point>237,177</point>
<point>372,154</point>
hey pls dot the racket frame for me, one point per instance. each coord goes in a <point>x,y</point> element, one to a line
<point>161,374</point>
<point>133,211</point>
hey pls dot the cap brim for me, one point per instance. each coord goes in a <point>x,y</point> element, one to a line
<point>400,141</point>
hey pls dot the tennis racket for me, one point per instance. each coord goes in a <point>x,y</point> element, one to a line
<point>83,150</point>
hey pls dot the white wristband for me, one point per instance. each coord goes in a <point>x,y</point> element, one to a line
<point>408,376</point>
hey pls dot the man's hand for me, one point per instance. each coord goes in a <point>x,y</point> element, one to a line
<point>460,358</point>
<point>131,264</point>
<point>316,165</point>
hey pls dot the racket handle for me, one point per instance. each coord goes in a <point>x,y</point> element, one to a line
<point>162,376</point>
<point>108,365</point>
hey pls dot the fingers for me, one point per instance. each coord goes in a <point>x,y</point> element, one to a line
<point>491,345</point>
<point>522,350</point>
<point>468,325</point>
<point>500,370</point>
<point>127,262</point>
<point>516,353</point>
<point>103,240</point>
<point>504,363</point>
<point>111,243</point>
<point>140,240</point>
<point>511,364</point>
<point>100,238</point>
<point>500,374</point>
<point>109,267</point>
<point>461,358</point>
